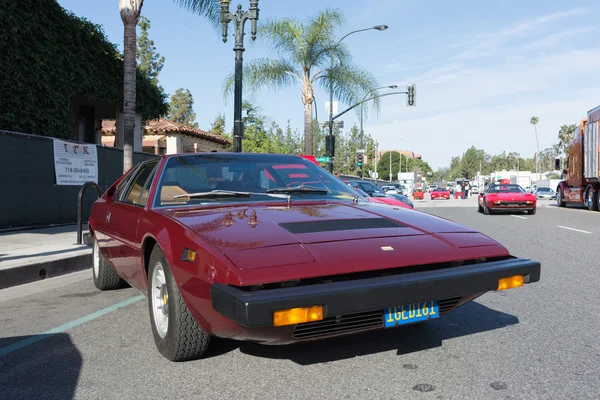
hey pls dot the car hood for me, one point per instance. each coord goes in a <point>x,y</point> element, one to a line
<point>267,236</point>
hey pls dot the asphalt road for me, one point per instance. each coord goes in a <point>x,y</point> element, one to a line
<point>63,339</point>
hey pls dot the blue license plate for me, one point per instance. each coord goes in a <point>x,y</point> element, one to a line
<point>409,313</point>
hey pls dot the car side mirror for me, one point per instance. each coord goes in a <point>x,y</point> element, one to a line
<point>110,193</point>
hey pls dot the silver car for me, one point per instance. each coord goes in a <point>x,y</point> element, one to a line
<point>545,193</point>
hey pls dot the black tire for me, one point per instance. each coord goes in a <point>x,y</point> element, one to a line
<point>560,198</point>
<point>531,212</point>
<point>479,208</point>
<point>591,198</point>
<point>486,210</point>
<point>104,275</point>
<point>184,339</point>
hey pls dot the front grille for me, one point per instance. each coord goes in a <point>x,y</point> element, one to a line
<point>514,204</point>
<point>355,322</point>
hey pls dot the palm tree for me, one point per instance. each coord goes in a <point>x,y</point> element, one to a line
<point>305,50</point>
<point>130,14</point>
<point>534,121</point>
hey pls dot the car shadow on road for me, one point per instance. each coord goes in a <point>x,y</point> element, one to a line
<point>39,367</point>
<point>467,320</point>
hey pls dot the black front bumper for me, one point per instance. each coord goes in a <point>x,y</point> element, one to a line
<point>255,309</point>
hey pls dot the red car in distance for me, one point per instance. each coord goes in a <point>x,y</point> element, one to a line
<point>274,249</point>
<point>440,193</point>
<point>506,198</point>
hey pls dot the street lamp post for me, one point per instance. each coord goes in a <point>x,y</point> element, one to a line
<point>330,136</point>
<point>362,134</point>
<point>239,19</point>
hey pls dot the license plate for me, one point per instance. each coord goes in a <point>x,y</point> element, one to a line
<point>409,313</point>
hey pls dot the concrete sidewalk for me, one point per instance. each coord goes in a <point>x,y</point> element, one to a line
<point>32,255</point>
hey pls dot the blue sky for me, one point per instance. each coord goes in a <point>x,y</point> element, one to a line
<point>482,68</point>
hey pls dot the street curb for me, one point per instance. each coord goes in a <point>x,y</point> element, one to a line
<point>42,270</point>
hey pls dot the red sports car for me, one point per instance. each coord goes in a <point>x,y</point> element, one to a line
<point>274,249</point>
<point>440,193</point>
<point>506,197</point>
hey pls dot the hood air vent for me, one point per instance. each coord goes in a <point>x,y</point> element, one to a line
<point>340,225</point>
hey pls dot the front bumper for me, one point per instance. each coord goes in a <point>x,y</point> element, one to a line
<point>255,309</point>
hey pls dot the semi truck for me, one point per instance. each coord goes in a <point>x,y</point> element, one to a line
<point>581,184</point>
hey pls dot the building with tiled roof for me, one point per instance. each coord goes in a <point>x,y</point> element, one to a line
<point>168,137</point>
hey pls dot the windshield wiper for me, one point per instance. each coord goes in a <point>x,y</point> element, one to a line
<point>298,189</point>
<point>223,193</point>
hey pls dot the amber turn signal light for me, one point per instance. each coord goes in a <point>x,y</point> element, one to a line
<point>188,255</point>
<point>511,282</point>
<point>300,315</point>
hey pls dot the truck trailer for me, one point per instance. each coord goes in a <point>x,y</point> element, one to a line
<point>582,170</point>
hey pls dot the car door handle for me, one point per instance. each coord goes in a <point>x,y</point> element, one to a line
<point>107,218</point>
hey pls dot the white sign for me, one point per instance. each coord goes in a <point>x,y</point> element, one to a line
<point>328,106</point>
<point>75,163</point>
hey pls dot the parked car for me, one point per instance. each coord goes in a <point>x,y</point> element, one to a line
<point>389,200</point>
<point>401,198</point>
<point>506,198</point>
<point>545,193</point>
<point>274,249</point>
<point>367,187</point>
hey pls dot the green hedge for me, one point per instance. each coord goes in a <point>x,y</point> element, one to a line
<point>48,56</point>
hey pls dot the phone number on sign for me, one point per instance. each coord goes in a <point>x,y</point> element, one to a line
<point>77,170</point>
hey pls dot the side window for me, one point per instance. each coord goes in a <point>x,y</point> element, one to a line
<point>146,190</point>
<point>137,184</point>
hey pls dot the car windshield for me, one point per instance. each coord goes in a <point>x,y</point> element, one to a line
<point>544,189</point>
<point>225,178</point>
<point>506,189</point>
<point>439,190</point>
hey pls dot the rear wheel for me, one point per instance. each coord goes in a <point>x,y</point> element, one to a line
<point>591,198</point>
<point>177,335</point>
<point>559,197</point>
<point>105,277</point>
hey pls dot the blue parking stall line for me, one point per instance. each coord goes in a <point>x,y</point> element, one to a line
<point>59,329</point>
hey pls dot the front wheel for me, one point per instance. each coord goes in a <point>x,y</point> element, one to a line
<point>486,210</point>
<point>177,335</point>
<point>531,212</point>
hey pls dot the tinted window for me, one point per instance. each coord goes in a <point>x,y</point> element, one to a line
<point>251,173</point>
<point>133,192</point>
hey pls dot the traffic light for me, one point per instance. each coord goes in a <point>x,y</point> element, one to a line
<point>411,95</point>
<point>330,146</point>
<point>359,161</point>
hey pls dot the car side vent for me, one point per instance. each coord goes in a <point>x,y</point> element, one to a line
<point>340,225</point>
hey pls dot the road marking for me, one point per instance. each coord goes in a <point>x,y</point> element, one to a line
<point>572,229</point>
<point>36,338</point>
<point>518,216</point>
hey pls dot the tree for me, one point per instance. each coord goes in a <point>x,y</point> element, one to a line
<point>181,108</point>
<point>305,50</point>
<point>565,135</point>
<point>150,63</point>
<point>383,167</point>
<point>130,13</point>
<point>218,126</point>
<point>534,121</point>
